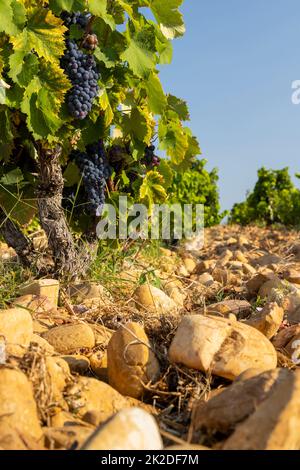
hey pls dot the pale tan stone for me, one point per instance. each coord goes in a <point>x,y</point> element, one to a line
<point>58,375</point>
<point>42,343</point>
<point>148,297</point>
<point>221,346</point>
<point>190,264</point>
<point>35,304</point>
<point>17,405</point>
<point>16,327</point>
<point>98,363</point>
<point>89,394</point>
<point>68,338</point>
<point>268,321</point>
<point>131,361</point>
<point>132,429</point>
<point>42,287</point>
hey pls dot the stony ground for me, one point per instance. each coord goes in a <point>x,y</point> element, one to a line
<point>187,349</point>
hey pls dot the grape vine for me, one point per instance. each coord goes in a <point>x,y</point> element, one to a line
<point>77,72</point>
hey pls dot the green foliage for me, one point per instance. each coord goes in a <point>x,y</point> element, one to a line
<point>274,199</point>
<point>12,275</point>
<point>131,111</point>
<point>198,186</point>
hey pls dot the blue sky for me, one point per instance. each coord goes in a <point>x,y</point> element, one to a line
<point>235,67</point>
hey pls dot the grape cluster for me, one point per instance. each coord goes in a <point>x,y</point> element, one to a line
<point>95,171</point>
<point>82,71</point>
<point>79,18</point>
<point>150,159</point>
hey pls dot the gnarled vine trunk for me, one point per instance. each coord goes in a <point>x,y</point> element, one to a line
<point>51,214</point>
<point>17,240</point>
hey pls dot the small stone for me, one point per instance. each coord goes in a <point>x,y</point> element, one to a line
<point>58,375</point>
<point>166,252</point>
<point>190,264</point>
<point>243,240</point>
<point>267,260</point>
<point>178,297</point>
<point>232,241</point>
<point>148,297</point>
<point>182,271</point>
<point>239,256</point>
<point>268,321</point>
<point>131,361</point>
<point>285,335</point>
<point>222,275</point>
<point>132,429</point>
<point>90,394</point>
<point>17,405</point>
<point>266,290</point>
<point>292,349</point>
<point>205,266</point>
<point>206,279</point>
<point>89,293</point>
<point>67,437</point>
<point>256,282</point>
<point>35,304</point>
<point>69,338</point>
<point>236,266</point>
<point>248,269</point>
<point>224,259</point>
<point>292,276</point>
<point>240,308</point>
<point>174,289</point>
<point>294,317</point>
<point>42,287</point>
<point>17,329</point>
<point>223,347</point>
<point>42,343</point>
<point>98,363</point>
<point>78,364</point>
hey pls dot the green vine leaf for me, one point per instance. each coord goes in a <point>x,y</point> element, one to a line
<point>44,33</point>
<point>174,140</point>
<point>169,17</point>
<point>140,60</point>
<point>43,99</point>
<point>156,97</point>
<point>99,8</point>
<point>7,22</point>
<point>167,173</point>
<point>67,5</point>
<point>179,107</point>
<point>152,190</point>
<point>23,68</point>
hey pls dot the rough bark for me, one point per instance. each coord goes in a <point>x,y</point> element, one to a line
<point>17,240</point>
<point>52,217</point>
